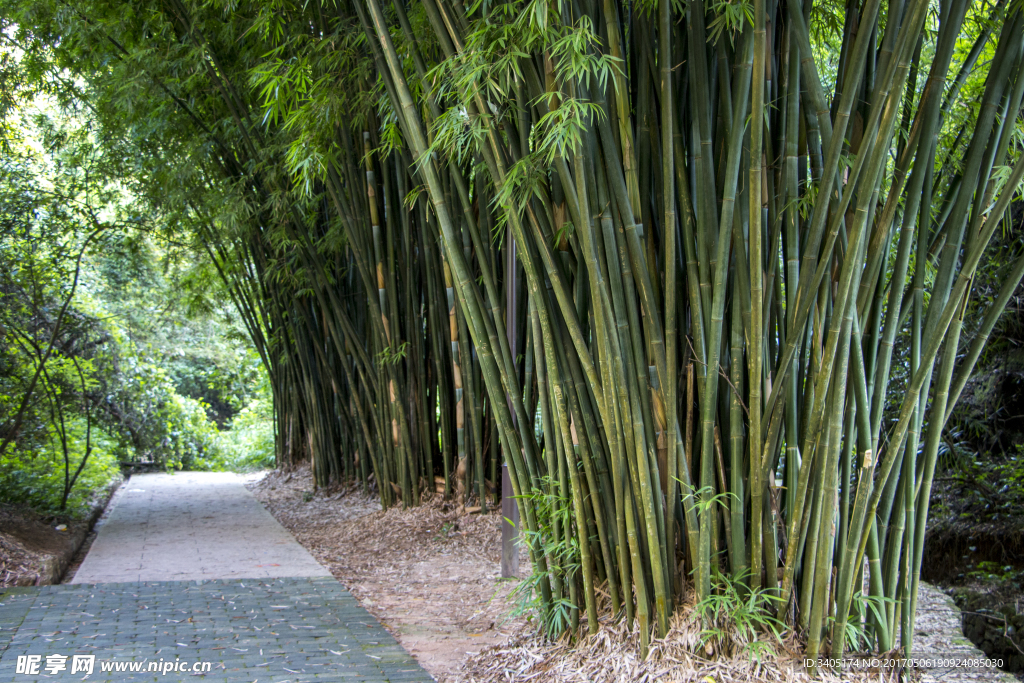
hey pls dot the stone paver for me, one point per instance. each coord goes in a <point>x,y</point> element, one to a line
<point>14,605</point>
<point>273,631</point>
<point>938,636</point>
<point>191,525</point>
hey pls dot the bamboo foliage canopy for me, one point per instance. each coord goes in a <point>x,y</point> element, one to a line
<point>746,242</point>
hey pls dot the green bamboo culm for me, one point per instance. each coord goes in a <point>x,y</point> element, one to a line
<point>746,240</point>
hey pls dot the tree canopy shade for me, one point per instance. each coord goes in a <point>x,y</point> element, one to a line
<point>747,233</point>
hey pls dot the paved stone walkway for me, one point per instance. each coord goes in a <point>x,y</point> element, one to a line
<point>250,604</point>
<point>191,525</point>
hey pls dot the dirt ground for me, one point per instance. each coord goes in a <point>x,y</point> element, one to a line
<point>431,576</point>
<point>33,551</point>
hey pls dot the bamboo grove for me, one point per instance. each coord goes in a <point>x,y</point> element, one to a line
<point>742,261</point>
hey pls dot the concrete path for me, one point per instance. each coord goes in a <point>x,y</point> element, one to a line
<point>191,525</point>
<point>190,579</point>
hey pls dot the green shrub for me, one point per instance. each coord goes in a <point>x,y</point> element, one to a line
<point>35,478</point>
<point>249,444</point>
<point>166,429</point>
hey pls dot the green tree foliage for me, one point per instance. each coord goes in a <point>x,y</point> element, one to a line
<point>725,217</point>
<point>98,364</point>
<point>50,350</point>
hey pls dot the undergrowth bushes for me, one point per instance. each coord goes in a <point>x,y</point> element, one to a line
<point>249,444</point>
<point>35,477</point>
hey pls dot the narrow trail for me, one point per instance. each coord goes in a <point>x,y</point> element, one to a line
<point>191,579</point>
